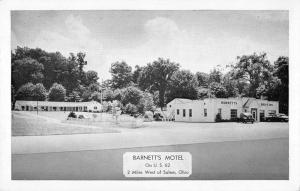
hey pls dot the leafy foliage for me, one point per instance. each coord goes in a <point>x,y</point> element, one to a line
<point>131,108</point>
<point>26,70</point>
<point>131,95</point>
<point>57,92</point>
<point>39,92</point>
<point>253,69</point>
<point>218,90</point>
<point>25,92</point>
<point>156,76</point>
<point>121,74</point>
<point>183,85</point>
<point>203,79</point>
<point>39,66</point>
<point>35,70</point>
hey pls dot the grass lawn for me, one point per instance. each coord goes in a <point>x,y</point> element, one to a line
<point>31,125</point>
<point>233,160</point>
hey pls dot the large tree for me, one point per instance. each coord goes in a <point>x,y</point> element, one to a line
<point>217,90</point>
<point>156,76</point>
<point>136,74</point>
<point>91,77</point>
<point>253,69</point>
<point>215,76</point>
<point>282,72</point>
<point>26,70</point>
<point>25,92</point>
<point>32,92</point>
<point>39,92</point>
<point>57,92</point>
<point>230,85</point>
<point>183,85</point>
<point>81,63</point>
<point>203,79</point>
<point>39,66</point>
<point>121,75</point>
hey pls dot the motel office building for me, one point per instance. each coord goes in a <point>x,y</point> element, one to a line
<point>91,106</point>
<point>186,110</point>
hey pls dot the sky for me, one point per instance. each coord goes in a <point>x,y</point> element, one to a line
<point>197,40</point>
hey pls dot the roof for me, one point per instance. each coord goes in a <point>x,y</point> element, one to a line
<point>248,102</point>
<point>181,100</point>
<point>56,103</point>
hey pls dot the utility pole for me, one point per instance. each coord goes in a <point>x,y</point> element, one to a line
<point>37,107</point>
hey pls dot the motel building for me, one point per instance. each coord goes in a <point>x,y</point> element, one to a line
<point>91,106</point>
<point>186,110</point>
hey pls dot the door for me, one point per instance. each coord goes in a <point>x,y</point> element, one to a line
<point>254,113</point>
<point>190,114</point>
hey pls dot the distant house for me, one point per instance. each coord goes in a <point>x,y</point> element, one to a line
<point>91,106</point>
<point>228,108</point>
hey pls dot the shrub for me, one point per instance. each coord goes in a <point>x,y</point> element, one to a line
<point>131,109</point>
<point>131,95</point>
<point>218,117</point>
<point>148,115</point>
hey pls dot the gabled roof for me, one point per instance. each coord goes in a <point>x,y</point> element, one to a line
<point>180,100</point>
<point>249,102</point>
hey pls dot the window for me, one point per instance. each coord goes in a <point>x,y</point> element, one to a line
<point>233,113</point>
<point>261,115</point>
<point>177,111</point>
<point>183,112</point>
<point>272,112</point>
<point>190,112</point>
<point>205,112</point>
<point>170,105</point>
<point>95,107</point>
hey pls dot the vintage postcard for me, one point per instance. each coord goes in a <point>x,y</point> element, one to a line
<point>150,94</point>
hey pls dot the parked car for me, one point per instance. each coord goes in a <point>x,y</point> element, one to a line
<point>277,117</point>
<point>246,117</point>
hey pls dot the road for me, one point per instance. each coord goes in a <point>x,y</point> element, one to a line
<point>219,151</point>
<point>233,160</point>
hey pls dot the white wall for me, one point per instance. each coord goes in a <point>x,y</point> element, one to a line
<point>213,105</point>
<point>226,105</point>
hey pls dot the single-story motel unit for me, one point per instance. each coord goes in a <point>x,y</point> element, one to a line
<point>92,106</point>
<point>186,110</point>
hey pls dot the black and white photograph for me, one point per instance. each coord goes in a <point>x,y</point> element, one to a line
<point>88,86</point>
<point>150,94</point>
